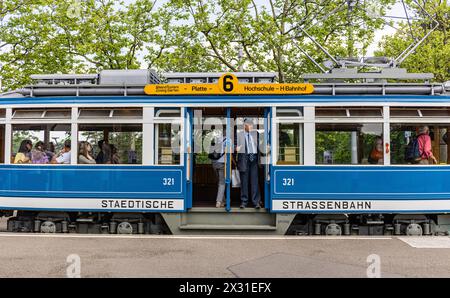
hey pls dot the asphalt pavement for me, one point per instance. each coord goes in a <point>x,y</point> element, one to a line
<point>46,255</point>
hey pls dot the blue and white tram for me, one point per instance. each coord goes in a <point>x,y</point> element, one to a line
<point>318,177</point>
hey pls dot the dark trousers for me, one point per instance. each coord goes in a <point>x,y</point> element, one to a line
<point>249,179</point>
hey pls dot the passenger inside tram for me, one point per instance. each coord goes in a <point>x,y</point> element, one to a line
<point>352,143</point>
<point>64,156</point>
<point>423,144</point>
<point>376,155</point>
<point>85,153</point>
<point>99,157</point>
<point>112,143</point>
<point>38,155</point>
<point>50,150</point>
<point>24,153</point>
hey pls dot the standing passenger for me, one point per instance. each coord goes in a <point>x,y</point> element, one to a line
<point>248,161</point>
<point>425,150</point>
<point>23,156</point>
<point>217,157</point>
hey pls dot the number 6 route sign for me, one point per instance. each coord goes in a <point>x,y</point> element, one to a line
<point>227,84</point>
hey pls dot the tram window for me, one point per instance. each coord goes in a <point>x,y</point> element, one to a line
<point>121,143</point>
<point>435,112</point>
<point>205,137</point>
<point>352,143</point>
<point>167,143</point>
<point>117,113</point>
<point>366,112</point>
<point>404,134</point>
<point>290,112</point>
<point>58,114</point>
<point>167,112</point>
<point>2,113</point>
<point>50,136</point>
<point>402,112</point>
<point>109,113</point>
<point>41,114</point>
<point>343,112</point>
<point>128,113</point>
<point>94,113</point>
<point>2,143</point>
<point>290,143</point>
<point>27,114</point>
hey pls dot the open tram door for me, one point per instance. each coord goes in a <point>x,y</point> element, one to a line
<point>202,182</point>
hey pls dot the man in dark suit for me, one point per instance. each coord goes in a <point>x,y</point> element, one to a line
<point>247,164</point>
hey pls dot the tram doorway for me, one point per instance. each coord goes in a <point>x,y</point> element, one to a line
<point>211,125</point>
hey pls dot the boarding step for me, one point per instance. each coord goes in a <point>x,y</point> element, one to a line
<point>229,227</point>
<point>223,210</point>
<point>218,220</point>
<point>219,217</point>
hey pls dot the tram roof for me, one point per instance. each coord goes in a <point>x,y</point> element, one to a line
<point>230,100</point>
<point>128,85</point>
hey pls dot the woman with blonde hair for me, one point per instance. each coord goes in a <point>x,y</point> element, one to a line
<point>85,153</point>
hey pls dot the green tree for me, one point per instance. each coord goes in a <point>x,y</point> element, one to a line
<point>51,36</point>
<point>434,54</point>
<point>267,34</point>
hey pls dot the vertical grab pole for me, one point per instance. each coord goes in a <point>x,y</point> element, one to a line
<point>228,161</point>
<point>267,148</point>
<point>189,164</point>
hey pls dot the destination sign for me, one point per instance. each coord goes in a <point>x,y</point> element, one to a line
<point>228,84</point>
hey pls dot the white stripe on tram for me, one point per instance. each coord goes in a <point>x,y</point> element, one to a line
<point>212,237</point>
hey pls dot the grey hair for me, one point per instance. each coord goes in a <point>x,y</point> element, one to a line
<point>423,129</point>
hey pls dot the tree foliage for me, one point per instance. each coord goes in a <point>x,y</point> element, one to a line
<point>52,36</point>
<point>434,54</point>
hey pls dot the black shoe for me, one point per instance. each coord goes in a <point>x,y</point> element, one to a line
<point>257,207</point>
<point>242,206</point>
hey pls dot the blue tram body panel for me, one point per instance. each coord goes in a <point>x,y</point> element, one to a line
<point>362,189</point>
<point>93,188</point>
<point>298,189</point>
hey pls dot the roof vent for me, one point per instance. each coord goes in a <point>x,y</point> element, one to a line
<point>128,77</point>
<point>447,86</point>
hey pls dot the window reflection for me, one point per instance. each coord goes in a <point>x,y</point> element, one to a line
<point>168,143</point>
<point>289,144</point>
<point>403,137</point>
<point>41,143</point>
<point>352,143</point>
<point>110,143</point>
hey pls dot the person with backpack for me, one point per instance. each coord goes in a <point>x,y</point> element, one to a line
<point>419,149</point>
<point>424,144</point>
<point>217,157</point>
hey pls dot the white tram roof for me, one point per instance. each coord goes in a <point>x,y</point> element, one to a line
<point>132,82</point>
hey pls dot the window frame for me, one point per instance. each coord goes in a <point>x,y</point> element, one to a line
<point>276,121</point>
<point>156,120</point>
<point>115,123</point>
<point>3,144</point>
<point>383,120</point>
<point>11,125</point>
